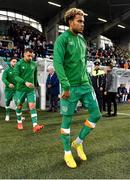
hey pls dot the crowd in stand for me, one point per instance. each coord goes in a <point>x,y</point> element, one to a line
<point>117,55</point>
<point>23,37</point>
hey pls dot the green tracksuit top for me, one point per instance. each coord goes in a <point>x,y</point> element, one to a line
<point>25,72</point>
<point>70,60</point>
<point>8,78</point>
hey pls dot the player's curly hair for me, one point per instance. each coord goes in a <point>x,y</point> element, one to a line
<point>28,50</point>
<point>71,13</point>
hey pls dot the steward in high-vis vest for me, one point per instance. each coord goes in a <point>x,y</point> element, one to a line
<point>98,81</point>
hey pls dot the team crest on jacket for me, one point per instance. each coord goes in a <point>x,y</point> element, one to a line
<point>71,43</point>
<point>64,108</point>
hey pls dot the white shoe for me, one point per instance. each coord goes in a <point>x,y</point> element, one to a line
<point>23,118</point>
<point>7,118</point>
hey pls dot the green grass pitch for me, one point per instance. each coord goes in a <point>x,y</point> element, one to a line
<point>25,155</point>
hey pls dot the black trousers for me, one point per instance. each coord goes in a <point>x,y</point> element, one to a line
<point>111,98</point>
<point>99,98</point>
<point>53,102</point>
<point>104,102</point>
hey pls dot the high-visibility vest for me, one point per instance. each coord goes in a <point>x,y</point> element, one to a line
<point>100,72</point>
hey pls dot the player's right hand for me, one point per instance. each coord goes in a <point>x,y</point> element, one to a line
<point>29,85</point>
<point>65,94</point>
<point>105,93</point>
<point>11,86</point>
<point>49,85</point>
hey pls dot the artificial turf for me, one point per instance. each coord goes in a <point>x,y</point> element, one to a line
<point>25,155</point>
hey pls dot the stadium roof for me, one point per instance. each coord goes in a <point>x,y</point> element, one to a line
<point>37,9</point>
<point>114,11</point>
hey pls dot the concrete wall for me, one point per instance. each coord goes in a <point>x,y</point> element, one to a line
<point>52,33</point>
<point>125,41</point>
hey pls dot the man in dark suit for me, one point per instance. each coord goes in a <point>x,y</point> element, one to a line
<point>52,85</point>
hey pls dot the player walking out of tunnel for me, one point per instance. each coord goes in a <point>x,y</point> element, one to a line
<point>70,64</point>
<point>25,73</point>
<point>10,86</point>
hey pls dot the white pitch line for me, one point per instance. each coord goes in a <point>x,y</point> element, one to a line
<point>123,114</point>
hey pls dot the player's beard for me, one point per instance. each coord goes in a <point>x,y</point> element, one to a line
<point>77,32</point>
<point>28,60</point>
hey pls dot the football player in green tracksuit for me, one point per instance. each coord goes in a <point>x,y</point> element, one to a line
<point>10,86</point>
<point>25,73</point>
<point>70,65</point>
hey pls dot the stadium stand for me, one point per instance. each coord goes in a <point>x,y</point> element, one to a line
<point>22,37</point>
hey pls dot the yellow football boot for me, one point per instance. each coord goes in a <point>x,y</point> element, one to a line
<point>79,149</point>
<point>70,161</point>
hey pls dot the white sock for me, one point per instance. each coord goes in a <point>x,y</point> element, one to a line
<point>67,152</point>
<point>79,141</point>
<point>22,118</point>
<point>19,122</point>
<point>7,118</point>
<point>34,124</point>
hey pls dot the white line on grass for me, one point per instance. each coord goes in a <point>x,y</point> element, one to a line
<point>123,114</point>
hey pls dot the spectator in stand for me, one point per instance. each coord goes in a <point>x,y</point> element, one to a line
<point>15,52</point>
<point>121,62</point>
<point>124,94</point>
<point>50,48</point>
<point>119,93</point>
<point>7,52</point>
<point>128,63</point>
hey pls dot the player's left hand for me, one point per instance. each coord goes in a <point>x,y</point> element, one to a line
<point>11,86</point>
